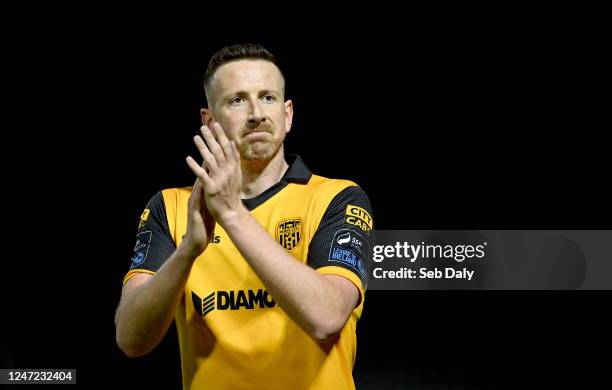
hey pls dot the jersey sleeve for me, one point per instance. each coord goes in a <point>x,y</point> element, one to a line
<point>343,241</point>
<point>154,244</point>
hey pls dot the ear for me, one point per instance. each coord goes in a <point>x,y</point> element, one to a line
<point>207,117</point>
<point>288,114</point>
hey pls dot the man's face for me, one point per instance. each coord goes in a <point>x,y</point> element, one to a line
<point>247,100</point>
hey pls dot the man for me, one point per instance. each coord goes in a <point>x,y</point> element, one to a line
<point>261,264</point>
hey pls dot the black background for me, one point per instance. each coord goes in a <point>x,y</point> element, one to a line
<point>452,123</point>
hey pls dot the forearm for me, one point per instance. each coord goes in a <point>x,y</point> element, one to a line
<point>319,304</point>
<point>144,316</point>
<point>308,298</point>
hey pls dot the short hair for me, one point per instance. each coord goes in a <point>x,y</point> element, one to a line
<point>242,51</point>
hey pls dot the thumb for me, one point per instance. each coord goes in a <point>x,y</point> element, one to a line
<point>196,194</point>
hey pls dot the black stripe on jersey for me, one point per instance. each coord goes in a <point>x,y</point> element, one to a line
<point>154,243</point>
<point>340,243</point>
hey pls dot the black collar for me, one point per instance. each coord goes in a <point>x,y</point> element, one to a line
<point>297,172</point>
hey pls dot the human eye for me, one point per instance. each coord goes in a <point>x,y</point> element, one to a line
<point>236,100</point>
<point>269,98</point>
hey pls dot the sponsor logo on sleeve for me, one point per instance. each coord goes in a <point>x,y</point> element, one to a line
<point>141,249</point>
<point>143,218</point>
<point>349,248</point>
<point>359,217</point>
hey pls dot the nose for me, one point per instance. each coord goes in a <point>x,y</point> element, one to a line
<point>256,115</point>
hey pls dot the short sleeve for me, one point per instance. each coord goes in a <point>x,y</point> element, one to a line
<point>154,244</point>
<point>343,241</point>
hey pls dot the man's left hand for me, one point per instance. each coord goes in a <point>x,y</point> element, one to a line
<point>222,175</point>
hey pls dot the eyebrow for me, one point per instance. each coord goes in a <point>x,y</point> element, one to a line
<point>267,91</point>
<point>245,93</point>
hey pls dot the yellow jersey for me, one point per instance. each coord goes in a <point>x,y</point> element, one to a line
<point>232,335</point>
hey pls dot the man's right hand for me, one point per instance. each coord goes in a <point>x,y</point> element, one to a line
<point>148,302</point>
<point>200,223</point>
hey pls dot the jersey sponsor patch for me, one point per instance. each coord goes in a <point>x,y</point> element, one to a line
<point>143,218</point>
<point>232,300</point>
<point>141,249</point>
<point>289,233</point>
<point>349,248</point>
<point>359,217</point>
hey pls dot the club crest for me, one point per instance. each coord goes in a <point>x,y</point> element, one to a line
<point>289,233</point>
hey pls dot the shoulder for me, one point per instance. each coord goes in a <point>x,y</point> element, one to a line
<point>336,199</point>
<point>325,185</point>
<point>328,189</point>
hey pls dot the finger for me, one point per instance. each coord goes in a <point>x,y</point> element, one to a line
<point>210,160</point>
<point>199,172</point>
<point>194,166</point>
<point>212,144</point>
<point>197,185</point>
<point>196,194</point>
<point>222,139</point>
<point>235,151</point>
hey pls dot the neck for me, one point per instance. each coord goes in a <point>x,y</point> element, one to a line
<point>258,176</point>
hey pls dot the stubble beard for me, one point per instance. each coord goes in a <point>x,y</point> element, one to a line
<point>261,150</point>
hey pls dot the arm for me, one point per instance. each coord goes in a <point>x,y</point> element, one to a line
<point>149,302</point>
<point>319,304</point>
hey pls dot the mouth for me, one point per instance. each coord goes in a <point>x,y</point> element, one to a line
<point>261,131</point>
<point>256,135</point>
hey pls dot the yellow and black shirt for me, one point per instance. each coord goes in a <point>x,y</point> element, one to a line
<point>232,335</point>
